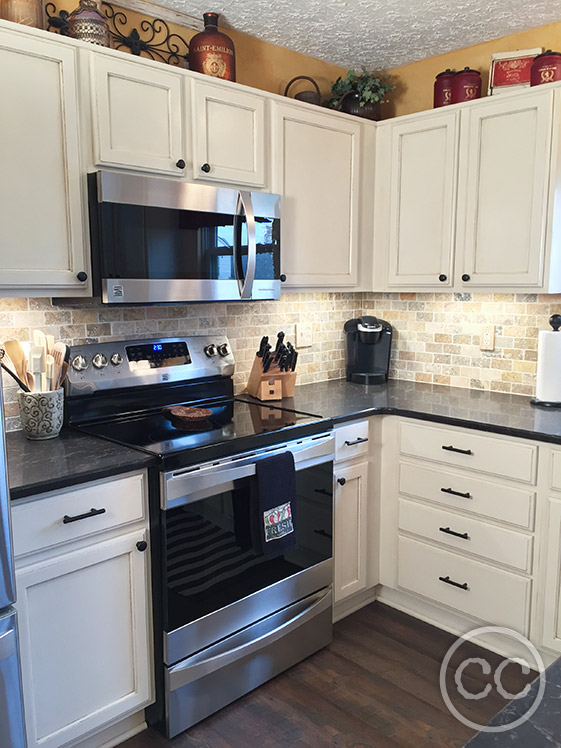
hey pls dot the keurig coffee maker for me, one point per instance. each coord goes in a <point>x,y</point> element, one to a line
<point>369,342</point>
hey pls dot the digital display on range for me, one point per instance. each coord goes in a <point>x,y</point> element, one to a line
<point>158,355</point>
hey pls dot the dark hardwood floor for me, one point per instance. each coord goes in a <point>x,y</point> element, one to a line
<point>375,686</point>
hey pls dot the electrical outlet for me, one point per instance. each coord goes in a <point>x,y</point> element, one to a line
<point>304,338</point>
<point>487,341</point>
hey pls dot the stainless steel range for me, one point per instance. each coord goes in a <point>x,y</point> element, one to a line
<point>228,615</point>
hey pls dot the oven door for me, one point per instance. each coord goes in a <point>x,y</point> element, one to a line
<point>215,582</point>
<point>162,241</point>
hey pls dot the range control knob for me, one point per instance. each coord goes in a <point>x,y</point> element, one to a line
<point>223,349</point>
<point>99,361</point>
<point>79,363</point>
<point>116,359</point>
<point>211,350</point>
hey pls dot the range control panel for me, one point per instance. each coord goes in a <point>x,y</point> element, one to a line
<point>130,363</point>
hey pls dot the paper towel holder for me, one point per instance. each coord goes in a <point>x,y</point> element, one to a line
<point>555,322</point>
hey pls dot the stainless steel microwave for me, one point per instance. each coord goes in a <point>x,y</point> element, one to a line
<point>157,240</point>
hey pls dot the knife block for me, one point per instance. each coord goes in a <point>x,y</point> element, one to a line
<point>271,385</point>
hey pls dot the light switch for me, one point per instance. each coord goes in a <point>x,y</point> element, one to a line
<point>304,337</point>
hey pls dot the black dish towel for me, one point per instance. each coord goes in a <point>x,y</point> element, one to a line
<point>273,506</point>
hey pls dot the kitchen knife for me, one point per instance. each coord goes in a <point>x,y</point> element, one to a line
<point>280,338</point>
<point>267,361</point>
<point>279,352</point>
<point>294,359</point>
<point>263,346</point>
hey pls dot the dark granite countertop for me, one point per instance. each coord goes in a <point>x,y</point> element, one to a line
<point>487,411</point>
<point>71,458</point>
<point>541,730</point>
<point>36,467</point>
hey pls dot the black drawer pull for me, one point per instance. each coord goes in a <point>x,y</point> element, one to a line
<point>92,513</point>
<point>455,449</point>
<point>341,481</point>
<point>360,440</point>
<point>448,531</point>
<point>323,533</point>
<point>447,580</point>
<point>456,493</point>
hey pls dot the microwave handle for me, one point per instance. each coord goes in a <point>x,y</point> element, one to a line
<point>244,201</point>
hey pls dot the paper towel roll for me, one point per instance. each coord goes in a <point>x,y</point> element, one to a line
<point>548,384</point>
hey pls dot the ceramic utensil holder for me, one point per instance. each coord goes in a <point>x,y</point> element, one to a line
<point>41,413</point>
<point>271,385</point>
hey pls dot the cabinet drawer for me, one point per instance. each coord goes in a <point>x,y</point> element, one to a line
<point>351,440</point>
<point>492,543</point>
<point>40,523</point>
<point>556,470</point>
<point>487,454</point>
<point>463,491</point>
<point>494,596</point>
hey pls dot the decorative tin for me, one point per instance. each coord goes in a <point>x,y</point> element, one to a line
<point>546,68</point>
<point>510,70</point>
<point>211,52</point>
<point>87,23</point>
<point>443,88</point>
<point>466,85</point>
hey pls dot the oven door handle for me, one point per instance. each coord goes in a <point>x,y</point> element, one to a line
<point>186,487</point>
<point>194,668</point>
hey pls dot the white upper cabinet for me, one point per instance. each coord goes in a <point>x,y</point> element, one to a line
<point>503,211</point>
<point>137,115</point>
<point>228,128</point>
<point>417,171</point>
<point>41,211</point>
<point>316,169</point>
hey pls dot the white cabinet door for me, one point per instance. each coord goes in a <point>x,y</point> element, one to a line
<point>137,116</point>
<point>228,135</point>
<point>421,175</point>
<point>504,199</point>
<point>316,169</point>
<point>85,646</point>
<point>350,529</point>
<point>552,597</point>
<point>42,235</point>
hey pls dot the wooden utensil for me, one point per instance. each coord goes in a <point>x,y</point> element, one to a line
<point>49,372</point>
<point>62,375</point>
<point>18,358</point>
<point>59,353</point>
<point>39,340</point>
<point>23,386</point>
<point>50,343</point>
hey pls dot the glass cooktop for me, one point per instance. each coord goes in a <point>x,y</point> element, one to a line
<point>249,425</point>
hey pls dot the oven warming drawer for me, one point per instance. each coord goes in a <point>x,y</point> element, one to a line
<point>200,685</point>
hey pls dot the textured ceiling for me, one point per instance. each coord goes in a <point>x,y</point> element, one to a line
<point>377,34</point>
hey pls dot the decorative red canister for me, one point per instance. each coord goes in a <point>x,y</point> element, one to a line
<point>443,88</point>
<point>546,68</point>
<point>466,85</point>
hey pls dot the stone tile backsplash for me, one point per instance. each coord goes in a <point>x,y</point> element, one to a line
<point>436,336</point>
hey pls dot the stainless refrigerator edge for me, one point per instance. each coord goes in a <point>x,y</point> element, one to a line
<point>12,730</point>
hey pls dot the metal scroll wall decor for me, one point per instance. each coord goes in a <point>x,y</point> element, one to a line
<point>154,39</point>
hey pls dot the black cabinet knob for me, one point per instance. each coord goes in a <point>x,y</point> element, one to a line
<point>465,277</point>
<point>142,545</point>
<point>205,168</point>
<point>82,277</point>
<point>442,278</point>
<point>282,278</point>
<point>180,164</point>
<point>341,481</point>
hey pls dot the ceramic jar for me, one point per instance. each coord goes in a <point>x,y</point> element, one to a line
<point>466,85</point>
<point>443,88</point>
<point>546,68</point>
<point>41,413</point>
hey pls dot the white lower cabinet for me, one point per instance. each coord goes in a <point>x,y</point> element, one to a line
<point>350,529</point>
<point>552,597</point>
<point>85,624</point>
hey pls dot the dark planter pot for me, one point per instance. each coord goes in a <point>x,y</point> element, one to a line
<point>350,104</point>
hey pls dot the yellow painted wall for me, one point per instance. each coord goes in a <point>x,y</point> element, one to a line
<point>258,63</point>
<point>415,87</point>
